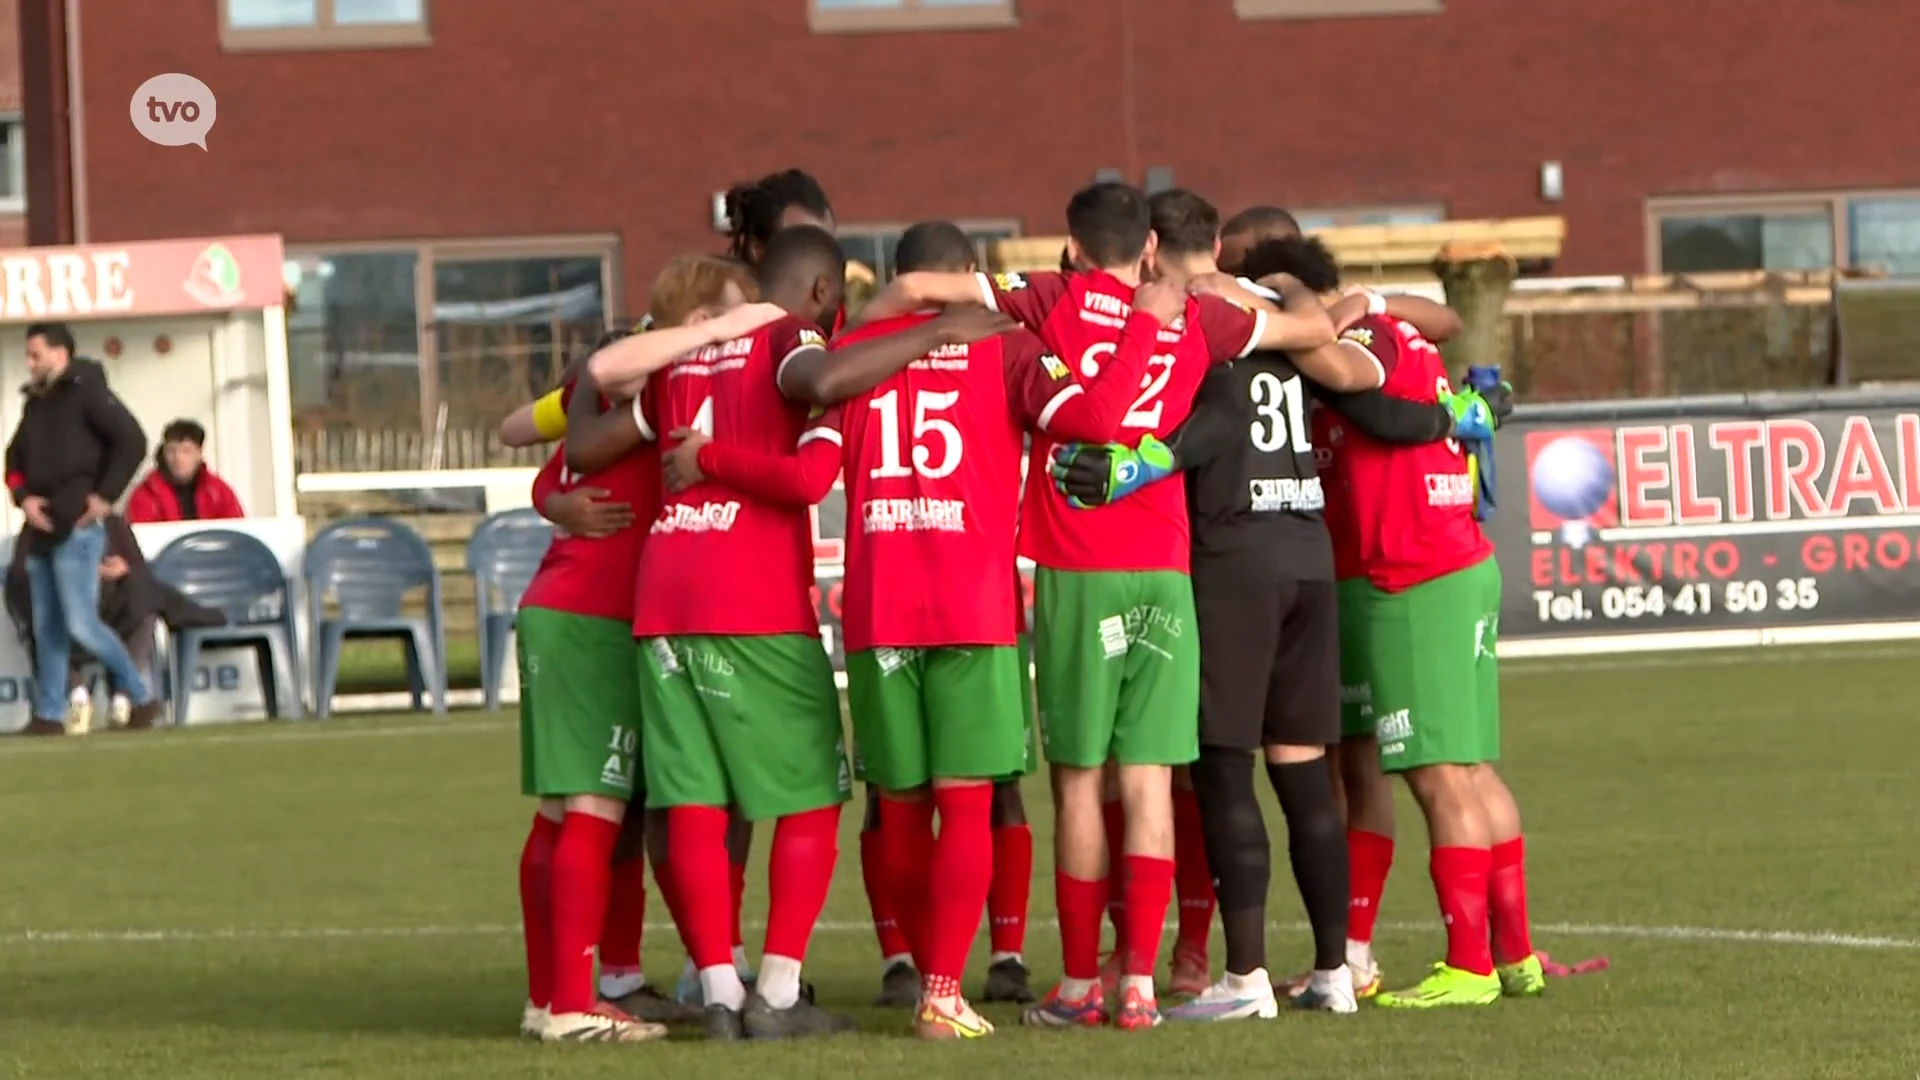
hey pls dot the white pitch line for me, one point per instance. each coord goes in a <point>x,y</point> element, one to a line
<point>1521,668</point>
<point>1700,934</point>
<point>181,741</point>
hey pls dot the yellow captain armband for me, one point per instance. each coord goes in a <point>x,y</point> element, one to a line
<point>550,415</point>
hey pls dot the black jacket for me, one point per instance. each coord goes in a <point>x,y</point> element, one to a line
<point>75,439</point>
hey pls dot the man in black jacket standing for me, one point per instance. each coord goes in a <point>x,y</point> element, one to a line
<point>75,451</point>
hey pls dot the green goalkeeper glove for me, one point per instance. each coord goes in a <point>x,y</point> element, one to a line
<point>1092,476</point>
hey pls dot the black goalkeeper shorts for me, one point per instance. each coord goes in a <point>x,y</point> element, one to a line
<point>1269,662</point>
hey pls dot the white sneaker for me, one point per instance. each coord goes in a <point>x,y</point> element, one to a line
<point>1328,991</point>
<point>1234,997</point>
<point>533,1021</point>
<point>120,710</point>
<point>79,711</point>
<point>603,1023</point>
<point>1363,968</point>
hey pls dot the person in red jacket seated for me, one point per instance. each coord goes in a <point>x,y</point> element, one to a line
<point>181,487</point>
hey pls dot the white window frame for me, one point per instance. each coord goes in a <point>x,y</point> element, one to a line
<point>324,34</point>
<point>911,15</point>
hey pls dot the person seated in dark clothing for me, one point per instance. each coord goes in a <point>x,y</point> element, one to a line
<point>181,487</point>
<point>132,600</point>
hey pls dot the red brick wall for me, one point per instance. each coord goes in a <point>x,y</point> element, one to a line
<point>588,117</point>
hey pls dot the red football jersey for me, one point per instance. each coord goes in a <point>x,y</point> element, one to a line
<point>718,561</point>
<point>597,576</point>
<point>932,475</point>
<point>1079,317</point>
<point>1399,515</point>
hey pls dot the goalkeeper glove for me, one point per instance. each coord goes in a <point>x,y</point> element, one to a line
<point>1473,419</point>
<point>1092,476</point>
<point>1473,425</point>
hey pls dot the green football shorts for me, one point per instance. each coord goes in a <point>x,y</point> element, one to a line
<point>1117,667</point>
<point>579,705</point>
<point>747,721</point>
<point>928,714</point>
<point>1428,659</point>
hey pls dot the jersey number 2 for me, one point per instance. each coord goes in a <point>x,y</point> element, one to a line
<point>1146,409</point>
<point>927,429</point>
<point>1279,414</point>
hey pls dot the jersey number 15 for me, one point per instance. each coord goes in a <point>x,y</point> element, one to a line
<point>928,430</point>
<point>1279,414</point>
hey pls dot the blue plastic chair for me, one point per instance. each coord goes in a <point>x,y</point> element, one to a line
<point>240,577</point>
<point>367,566</point>
<point>502,556</point>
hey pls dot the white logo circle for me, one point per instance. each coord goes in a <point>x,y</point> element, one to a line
<point>173,110</point>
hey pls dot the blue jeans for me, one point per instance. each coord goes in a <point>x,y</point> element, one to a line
<point>65,585</point>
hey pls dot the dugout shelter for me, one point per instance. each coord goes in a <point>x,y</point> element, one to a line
<point>190,328</point>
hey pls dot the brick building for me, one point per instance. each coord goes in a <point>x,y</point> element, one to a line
<point>442,167</point>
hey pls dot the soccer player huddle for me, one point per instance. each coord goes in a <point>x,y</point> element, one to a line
<point>1252,508</point>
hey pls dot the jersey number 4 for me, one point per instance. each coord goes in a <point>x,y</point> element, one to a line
<point>928,430</point>
<point>1279,414</point>
<point>1147,408</point>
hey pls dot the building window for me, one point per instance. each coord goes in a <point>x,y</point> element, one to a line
<point>13,170</point>
<point>322,24</point>
<point>872,245</point>
<point>1867,230</point>
<point>1332,9</point>
<point>858,16</point>
<point>1350,216</point>
<point>1885,233</point>
<point>406,355</point>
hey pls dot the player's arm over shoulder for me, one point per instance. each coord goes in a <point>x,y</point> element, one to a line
<point>857,362</point>
<point>598,435</point>
<point>1027,298</point>
<point>1035,377</point>
<point>541,420</point>
<point>1375,340</point>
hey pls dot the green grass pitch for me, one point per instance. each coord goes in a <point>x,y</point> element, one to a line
<point>337,900</point>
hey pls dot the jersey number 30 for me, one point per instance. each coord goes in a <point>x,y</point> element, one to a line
<point>1279,414</point>
<point>928,430</point>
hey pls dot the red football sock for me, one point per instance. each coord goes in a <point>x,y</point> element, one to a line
<point>697,853</point>
<point>906,828</point>
<point>626,917</point>
<point>536,907</point>
<point>1369,857</point>
<point>961,878</point>
<point>737,883</point>
<point>1507,902</point>
<point>1115,816</point>
<point>1460,881</point>
<point>1191,875</point>
<point>873,875</point>
<point>1080,904</point>
<point>1149,885</point>
<point>799,872</point>
<point>1012,883</point>
<point>580,875</point>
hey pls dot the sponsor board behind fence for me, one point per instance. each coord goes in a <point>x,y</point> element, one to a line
<point>1724,520</point>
